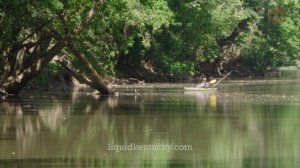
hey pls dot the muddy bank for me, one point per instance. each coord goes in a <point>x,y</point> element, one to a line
<point>140,75</point>
<point>63,81</point>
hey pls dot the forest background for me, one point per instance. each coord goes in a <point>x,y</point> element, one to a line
<point>97,41</point>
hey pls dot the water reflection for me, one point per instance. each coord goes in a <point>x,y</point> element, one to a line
<point>204,98</point>
<point>74,130</point>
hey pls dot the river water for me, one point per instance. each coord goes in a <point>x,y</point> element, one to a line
<point>245,124</point>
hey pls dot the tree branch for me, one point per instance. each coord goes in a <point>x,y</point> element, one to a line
<point>242,25</point>
<point>89,17</point>
<point>96,78</point>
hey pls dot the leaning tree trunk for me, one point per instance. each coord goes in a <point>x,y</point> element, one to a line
<point>15,85</point>
<point>80,77</point>
<point>97,82</point>
<point>19,76</point>
<point>19,79</point>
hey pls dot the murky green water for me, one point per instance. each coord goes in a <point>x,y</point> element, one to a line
<point>245,124</point>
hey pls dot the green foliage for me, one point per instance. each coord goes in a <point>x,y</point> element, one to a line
<point>192,37</point>
<point>275,41</point>
<point>42,79</point>
<point>173,35</point>
<point>202,23</point>
<point>54,67</point>
<point>122,27</point>
<point>170,65</point>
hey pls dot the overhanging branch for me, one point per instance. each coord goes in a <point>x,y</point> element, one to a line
<point>242,25</point>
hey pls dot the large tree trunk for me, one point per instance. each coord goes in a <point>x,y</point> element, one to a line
<point>22,71</point>
<point>15,85</point>
<point>81,78</point>
<point>18,80</point>
<point>97,82</point>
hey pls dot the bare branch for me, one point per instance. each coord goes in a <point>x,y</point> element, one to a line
<point>68,67</point>
<point>90,15</point>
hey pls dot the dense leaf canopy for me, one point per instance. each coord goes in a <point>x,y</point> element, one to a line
<point>170,36</point>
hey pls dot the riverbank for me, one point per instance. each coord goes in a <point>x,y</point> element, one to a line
<point>61,81</point>
<point>140,75</point>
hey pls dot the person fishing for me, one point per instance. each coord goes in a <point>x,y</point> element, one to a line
<point>203,84</point>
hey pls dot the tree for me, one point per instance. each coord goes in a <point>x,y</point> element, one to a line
<point>91,39</point>
<point>275,38</point>
<point>43,31</point>
<point>87,41</point>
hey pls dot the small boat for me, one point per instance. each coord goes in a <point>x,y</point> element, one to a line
<point>199,89</point>
<point>204,89</point>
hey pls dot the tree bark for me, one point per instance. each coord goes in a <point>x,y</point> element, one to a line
<point>15,83</point>
<point>97,82</point>
<point>20,78</point>
<point>81,78</point>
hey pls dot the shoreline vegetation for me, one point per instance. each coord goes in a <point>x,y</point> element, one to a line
<point>64,82</point>
<point>100,43</point>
